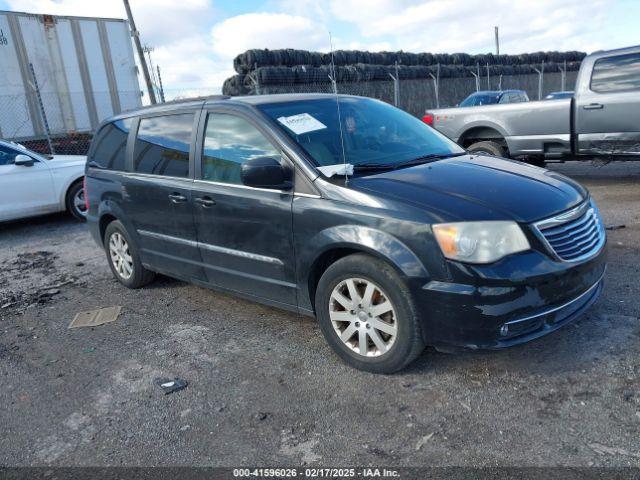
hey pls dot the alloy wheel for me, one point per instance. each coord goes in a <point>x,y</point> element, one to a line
<point>363,317</point>
<point>79,203</point>
<point>120,255</point>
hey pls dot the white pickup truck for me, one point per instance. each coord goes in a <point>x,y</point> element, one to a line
<point>601,120</point>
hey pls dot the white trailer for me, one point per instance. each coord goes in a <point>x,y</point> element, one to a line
<point>84,70</point>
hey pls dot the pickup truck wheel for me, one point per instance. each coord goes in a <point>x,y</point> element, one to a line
<point>367,315</point>
<point>490,147</point>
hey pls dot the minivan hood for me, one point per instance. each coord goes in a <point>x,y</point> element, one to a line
<point>477,187</point>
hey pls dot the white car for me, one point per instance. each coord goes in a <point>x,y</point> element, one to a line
<point>32,184</point>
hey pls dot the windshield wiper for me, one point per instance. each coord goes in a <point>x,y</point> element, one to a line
<point>373,166</point>
<point>409,163</point>
<point>427,158</point>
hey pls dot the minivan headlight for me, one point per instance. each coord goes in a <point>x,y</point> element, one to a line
<point>480,242</point>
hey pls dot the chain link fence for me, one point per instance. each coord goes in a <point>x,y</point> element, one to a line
<point>416,95</point>
<point>62,123</point>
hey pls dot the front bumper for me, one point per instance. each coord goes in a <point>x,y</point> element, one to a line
<point>525,297</point>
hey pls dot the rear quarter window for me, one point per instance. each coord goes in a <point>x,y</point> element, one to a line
<point>616,74</point>
<point>110,145</point>
<point>162,145</point>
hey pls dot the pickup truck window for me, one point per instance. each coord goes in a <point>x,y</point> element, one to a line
<point>616,74</point>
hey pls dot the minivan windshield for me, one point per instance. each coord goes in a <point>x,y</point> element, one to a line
<point>374,134</point>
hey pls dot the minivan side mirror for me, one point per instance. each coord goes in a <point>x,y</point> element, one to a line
<point>22,160</point>
<point>265,172</point>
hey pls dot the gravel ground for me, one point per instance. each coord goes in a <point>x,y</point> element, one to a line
<point>264,388</point>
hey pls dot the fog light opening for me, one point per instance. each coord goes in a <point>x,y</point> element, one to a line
<point>504,330</point>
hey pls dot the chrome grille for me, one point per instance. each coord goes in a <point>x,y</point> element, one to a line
<point>574,235</point>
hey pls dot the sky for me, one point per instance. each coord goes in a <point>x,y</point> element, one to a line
<point>195,41</point>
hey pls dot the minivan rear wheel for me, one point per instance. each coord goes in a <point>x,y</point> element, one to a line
<point>367,316</point>
<point>123,257</point>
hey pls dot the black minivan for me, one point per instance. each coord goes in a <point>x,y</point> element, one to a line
<point>350,210</point>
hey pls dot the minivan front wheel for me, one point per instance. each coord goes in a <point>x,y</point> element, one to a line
<point>367,316</point>
<point>123,257</point>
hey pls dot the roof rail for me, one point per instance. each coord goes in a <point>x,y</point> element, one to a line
<point>192,99</point>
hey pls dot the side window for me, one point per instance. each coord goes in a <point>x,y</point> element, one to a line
<point>230,141</point>
<point>505,98</point>
<point>616,74</point>
<point>7,155</point>
<point>111,145</point>
<point>468,102</point>
<point>162,145</point>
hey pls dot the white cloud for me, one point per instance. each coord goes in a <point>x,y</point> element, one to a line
<point>444,26</point>
<point>358,45</point>
<point>266,30</point>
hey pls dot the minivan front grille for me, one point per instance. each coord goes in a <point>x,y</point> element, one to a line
<point>574,235</point>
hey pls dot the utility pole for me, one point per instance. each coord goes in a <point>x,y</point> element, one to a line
<point>136,38</point>
<point>154,81</point>
<point>497,42</point>
<point>160,85</point>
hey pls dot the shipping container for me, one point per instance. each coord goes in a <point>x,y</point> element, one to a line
<point>64,74</point>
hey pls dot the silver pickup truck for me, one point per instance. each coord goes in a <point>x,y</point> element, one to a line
<point>601,120</point>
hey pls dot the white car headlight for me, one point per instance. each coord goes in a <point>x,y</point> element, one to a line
<point>480,242</point>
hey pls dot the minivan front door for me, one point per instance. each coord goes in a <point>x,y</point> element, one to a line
<point>608,111</point>
<point>157,195</point>
<point>245,234</point>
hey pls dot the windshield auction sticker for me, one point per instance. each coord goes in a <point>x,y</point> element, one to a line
<point>301,123</point>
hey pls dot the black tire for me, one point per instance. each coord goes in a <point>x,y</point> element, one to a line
<point>490,147</point>
<point>139,276</point>
<point>408,343</point>
<point>78,211</point>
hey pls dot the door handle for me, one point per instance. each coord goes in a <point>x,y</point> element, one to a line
<point>177,198</point>
<point>593,106</point>
<point>205,202</point>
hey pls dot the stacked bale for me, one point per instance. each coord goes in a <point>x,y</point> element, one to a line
<point>251,59</point>
<point>234,86</point>
<point>368,74</point>
<point>365,73</point>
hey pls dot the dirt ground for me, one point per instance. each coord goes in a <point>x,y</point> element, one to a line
<point>264,388</point>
